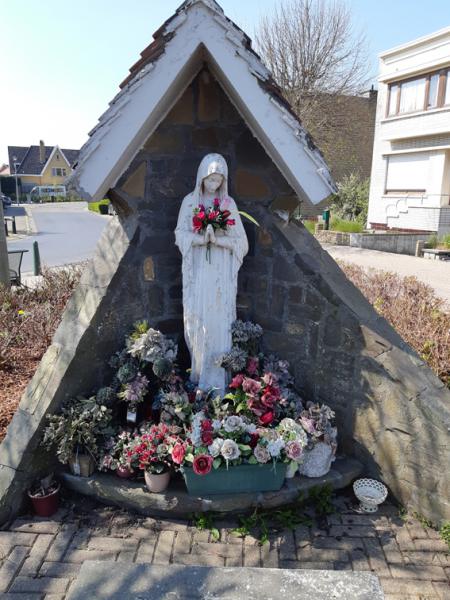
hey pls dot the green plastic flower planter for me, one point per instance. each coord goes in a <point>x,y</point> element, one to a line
<point>236,480</point>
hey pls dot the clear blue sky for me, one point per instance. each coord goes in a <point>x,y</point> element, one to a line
<point>62,61</point>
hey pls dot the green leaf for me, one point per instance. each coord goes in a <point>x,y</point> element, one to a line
<point>215,534</point>
<point>252,460</point>
<point>249,217</point>
<point>216,463</point>
<point>244,447</point>
<point>241,406</point>
<point>189,457</point>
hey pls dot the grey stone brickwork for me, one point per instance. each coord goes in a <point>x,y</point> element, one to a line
<point>392,412</point>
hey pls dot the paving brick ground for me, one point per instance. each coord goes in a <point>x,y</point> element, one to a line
<point>41,558</point>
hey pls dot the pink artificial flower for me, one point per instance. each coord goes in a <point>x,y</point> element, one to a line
<point>178,454</point>
<point>307,424</point>
<point>251,386</point>
<point>236,382</point>
<point>230,222</point>
<point>252,365</point>
<point>212,216</point>
<point>216,202</point>
<point>294,450</point>
<point>202,464</point>
<point>197,224</point>
<point>269,378</point>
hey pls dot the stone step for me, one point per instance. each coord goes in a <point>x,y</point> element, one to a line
<point>121,581</point>
<point>177,503</point>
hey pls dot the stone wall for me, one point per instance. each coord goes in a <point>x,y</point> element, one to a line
<point>392,412</point>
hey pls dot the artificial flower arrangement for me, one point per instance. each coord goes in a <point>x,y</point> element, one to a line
<point>217,215</point>
<point>261,427</point>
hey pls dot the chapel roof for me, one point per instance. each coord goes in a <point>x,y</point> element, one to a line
<point>196,33</point>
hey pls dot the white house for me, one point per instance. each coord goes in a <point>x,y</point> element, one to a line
<point>410,184</point>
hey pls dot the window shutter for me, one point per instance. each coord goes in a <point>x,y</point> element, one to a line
<point>407,172</point>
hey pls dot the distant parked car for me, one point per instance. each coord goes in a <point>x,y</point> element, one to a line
<point>6,200</point>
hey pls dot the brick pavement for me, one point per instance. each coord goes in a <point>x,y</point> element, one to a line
<point>40,558</point>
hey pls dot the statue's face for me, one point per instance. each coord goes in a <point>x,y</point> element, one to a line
<point>213,182</point>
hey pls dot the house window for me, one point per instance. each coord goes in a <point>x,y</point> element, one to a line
<point>420,93</point>
<point>58,172</point>
<point>407,173</point>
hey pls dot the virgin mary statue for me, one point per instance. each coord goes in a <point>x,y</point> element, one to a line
<point>211,261</point>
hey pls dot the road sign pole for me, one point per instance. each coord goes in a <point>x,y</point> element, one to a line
<point>4,264</point>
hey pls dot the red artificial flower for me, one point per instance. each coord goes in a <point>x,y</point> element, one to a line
<point>178,453</point>
<point>197,224</point>
<point>230,222</point>
<point>207,438</point>
<point>202,464</point>
<point>267,418</point>
<point>226,214</point>
<point>206,425</point>
<point>216,202</point>
<point>254,437</point>
<point>236,382</point>
<point>212,216</point>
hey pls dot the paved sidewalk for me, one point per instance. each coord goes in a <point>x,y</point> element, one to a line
<point>24,222</point>
<point>435,273</point>
<point>41,558</point>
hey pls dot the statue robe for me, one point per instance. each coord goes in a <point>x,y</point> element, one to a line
<point>209,286</point>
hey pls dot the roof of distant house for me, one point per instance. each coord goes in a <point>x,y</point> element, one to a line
<point>29,158</point>
<point>4,169</point>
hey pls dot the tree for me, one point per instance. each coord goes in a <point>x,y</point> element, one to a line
<point>314,53</point>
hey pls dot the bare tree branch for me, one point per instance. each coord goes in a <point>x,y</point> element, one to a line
<point>314,53</point>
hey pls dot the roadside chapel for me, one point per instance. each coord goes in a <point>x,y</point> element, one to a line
<point>218,348</point>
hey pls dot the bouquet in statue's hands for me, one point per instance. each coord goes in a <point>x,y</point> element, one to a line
<point>216,216</point>
<point>211,219</point>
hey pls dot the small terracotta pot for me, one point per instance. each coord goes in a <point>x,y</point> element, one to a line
<point>45,506</point>
<point>157,483</point>
<point>82,465</point>
<point>124,472</point>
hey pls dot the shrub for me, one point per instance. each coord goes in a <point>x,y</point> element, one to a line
<point>94,206</point>
<point>352,200</point>
<point>413,309</point>
<point>28,319</point>
<point>345,226</point>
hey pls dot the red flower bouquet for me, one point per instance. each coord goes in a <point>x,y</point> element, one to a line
<point>152,449</point>
<point>213,215</point>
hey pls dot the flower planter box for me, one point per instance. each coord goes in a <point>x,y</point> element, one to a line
<point>235,480</point>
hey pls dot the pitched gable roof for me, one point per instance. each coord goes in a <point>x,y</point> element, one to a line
<point>29,158</point>
<point>199,32</point>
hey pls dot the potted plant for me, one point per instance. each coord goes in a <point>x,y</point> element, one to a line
<point>231,455</point>
<point>77,432</point>
<point>114,456</point>
<point>44,496</point>
<point>321,449</point>
<point>151,449</point>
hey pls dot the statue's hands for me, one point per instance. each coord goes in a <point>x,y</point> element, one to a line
<point>210,235</point>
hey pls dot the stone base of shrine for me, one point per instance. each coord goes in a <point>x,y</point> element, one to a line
<point>175,502</point>
<point>115,581</point>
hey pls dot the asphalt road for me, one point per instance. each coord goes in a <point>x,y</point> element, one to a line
<point>66,233</point>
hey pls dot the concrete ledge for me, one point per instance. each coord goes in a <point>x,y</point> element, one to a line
<point>115,581</point>
<point>177,503</point>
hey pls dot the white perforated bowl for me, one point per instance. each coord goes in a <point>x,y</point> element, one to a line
<point>370,494</point>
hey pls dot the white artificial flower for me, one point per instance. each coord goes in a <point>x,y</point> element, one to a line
<point>261,454</point>
<point>230,450</point>
<point>217,424</point>
<point>216,447</point>
<point>274,447</point>
<point>232,424</point>
<point>250,428</point>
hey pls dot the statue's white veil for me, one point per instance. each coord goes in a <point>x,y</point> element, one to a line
<point>212,163</point>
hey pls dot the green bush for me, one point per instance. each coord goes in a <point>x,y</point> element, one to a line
<point>352,200</point>
<point>446,240</point>
<point>344,226</point>
<point>94,206</point>
<point>310,225</point>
